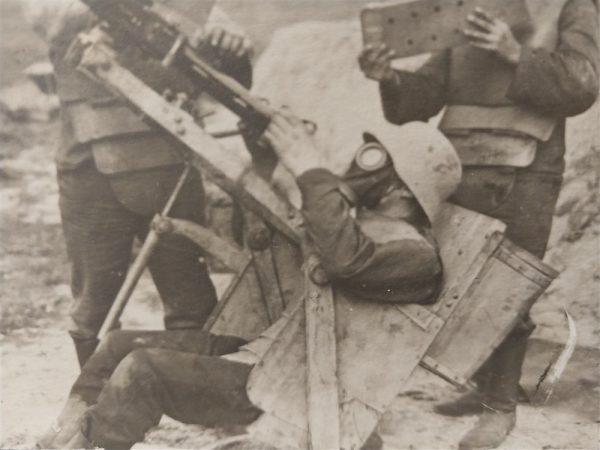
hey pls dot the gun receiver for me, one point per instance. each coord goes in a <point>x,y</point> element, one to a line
<point>136,22</point>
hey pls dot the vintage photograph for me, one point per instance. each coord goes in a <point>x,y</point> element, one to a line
<point>300,224</point>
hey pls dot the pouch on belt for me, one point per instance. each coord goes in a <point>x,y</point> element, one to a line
<point>495,136</point>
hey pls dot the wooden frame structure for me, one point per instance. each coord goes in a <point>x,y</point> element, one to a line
<point>335,363</point>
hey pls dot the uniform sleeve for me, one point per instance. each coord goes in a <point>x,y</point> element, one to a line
<point>419,95</point>
<point>406,271</point>
<point>563,82</point>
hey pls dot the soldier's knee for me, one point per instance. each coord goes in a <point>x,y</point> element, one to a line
<point>134,369</point>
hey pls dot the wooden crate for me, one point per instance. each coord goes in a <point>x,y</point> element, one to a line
<point>504,290</point>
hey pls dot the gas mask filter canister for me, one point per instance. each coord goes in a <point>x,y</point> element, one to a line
<point>371,156</point>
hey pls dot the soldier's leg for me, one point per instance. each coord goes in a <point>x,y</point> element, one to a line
<point>99,233</point>
<point>528,214</point>
<point>204,390</point>
<point>113,349</point>
<point>176,265</point>
<point>527,210</point>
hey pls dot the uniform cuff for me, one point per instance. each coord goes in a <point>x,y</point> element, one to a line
<point>315,181</point>
<point>519,87</point>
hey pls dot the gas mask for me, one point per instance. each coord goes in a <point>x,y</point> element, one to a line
<point>370,174</point>
<point>376,185</point>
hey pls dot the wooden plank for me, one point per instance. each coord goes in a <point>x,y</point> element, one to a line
<point>258,239</point>
<point>321,367</point>
<point>241,311</point>
<point>357,421</point>
<point>378,349</point>
<point>466,240</point>
<point>278,433</point>
<point>277,384</point>
<point>226,252</point>
<point>287,259</point>
<point>423,26</point>
<point>269,284</point>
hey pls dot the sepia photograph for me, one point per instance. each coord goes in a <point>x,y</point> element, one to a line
<point>300,224</point>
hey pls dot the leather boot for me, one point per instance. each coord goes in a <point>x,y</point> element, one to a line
<point>500,395</point>
<point>84,347</point>
<point>468,404</point>
<point>490,431</point>
<point>505,365</point>
<point>66,425</point>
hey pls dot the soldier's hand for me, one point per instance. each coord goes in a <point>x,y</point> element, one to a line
<point>226,43</point>
<point>492,34</point>
<point>376,62</point>
<point>293,142</point>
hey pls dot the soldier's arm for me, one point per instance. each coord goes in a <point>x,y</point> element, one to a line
<point>407,96</point>
<point>416,95</point>
<point>403,271</point>
<point>400,271</point>
<point>563,82</point>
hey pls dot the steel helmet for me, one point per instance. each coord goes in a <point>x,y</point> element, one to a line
<point>424,159</point>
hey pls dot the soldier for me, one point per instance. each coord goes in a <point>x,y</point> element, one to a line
<point>506,101</point>
<point>116,171</point>
<point>386,254</point>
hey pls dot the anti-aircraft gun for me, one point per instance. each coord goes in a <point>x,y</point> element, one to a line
<point>319,380</point>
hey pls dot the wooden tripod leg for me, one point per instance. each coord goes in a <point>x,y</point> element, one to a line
<point>259,239</point>
<point>141,261</point>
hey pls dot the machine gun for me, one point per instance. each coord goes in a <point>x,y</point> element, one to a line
<point>143,24</point>
<point>319,380</point>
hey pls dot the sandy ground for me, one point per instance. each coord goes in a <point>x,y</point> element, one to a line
<point>312,68</point>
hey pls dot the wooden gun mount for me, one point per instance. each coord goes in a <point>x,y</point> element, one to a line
<point>329,370</point>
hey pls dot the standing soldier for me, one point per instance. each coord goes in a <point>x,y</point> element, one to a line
<point>116,171</point>
<point>506,101</point>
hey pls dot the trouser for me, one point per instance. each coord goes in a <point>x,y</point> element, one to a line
<point>525,202</point>
<point>101,217</point>
<point>136,377</point>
